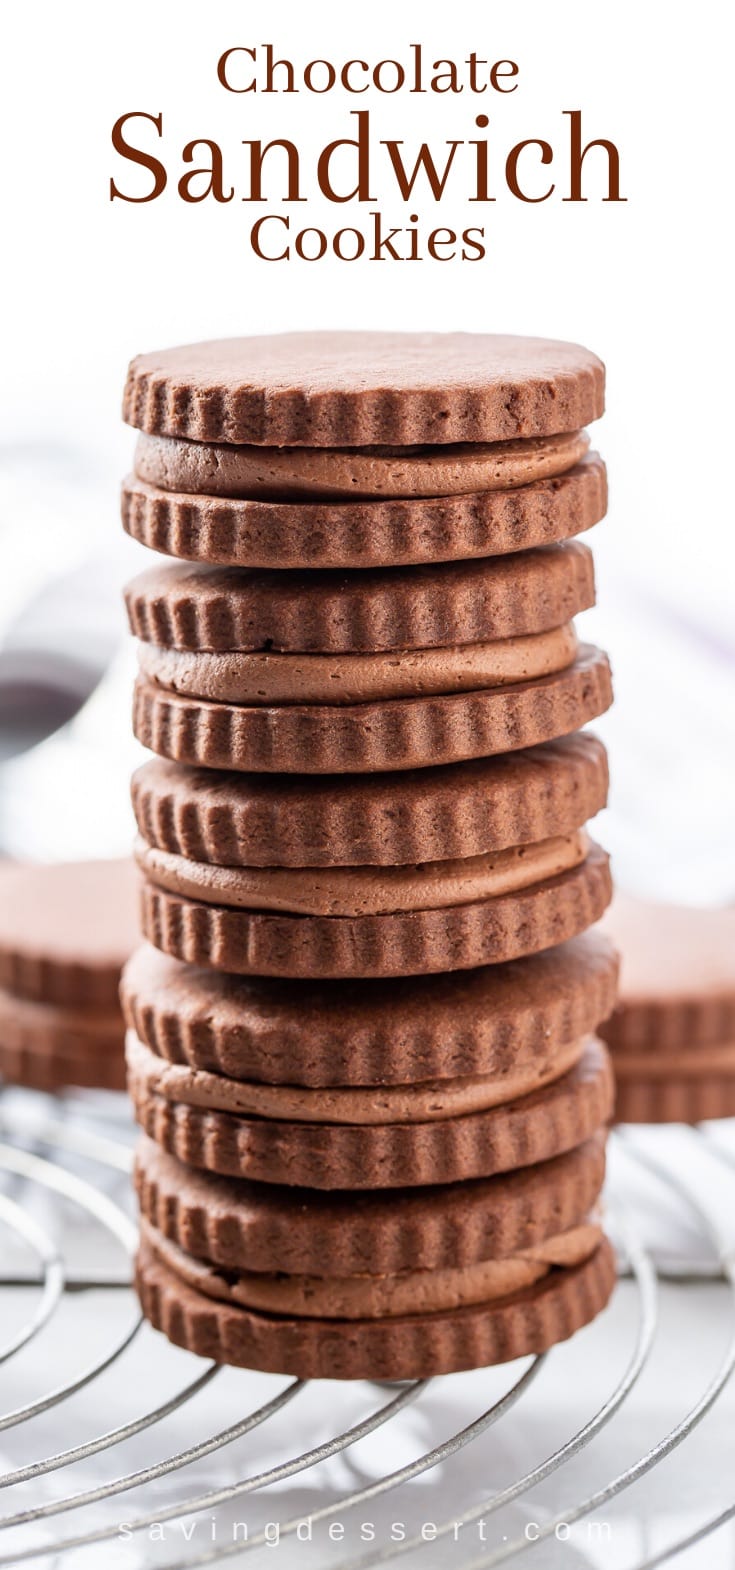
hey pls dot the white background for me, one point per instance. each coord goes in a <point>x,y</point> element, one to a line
<point>87,283</point>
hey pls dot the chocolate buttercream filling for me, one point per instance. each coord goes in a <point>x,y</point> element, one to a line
<point>365,891</point>
<point>364,1105</point>
<point>308,473</point>
<point>266,678</point>
<point>380,1297</point>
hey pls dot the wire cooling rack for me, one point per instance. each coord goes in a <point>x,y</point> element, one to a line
<point>118,1449</point>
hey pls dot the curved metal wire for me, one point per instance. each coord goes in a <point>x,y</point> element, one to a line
<point>149,1474</point>
<point>221,1496</point>
<point>645,1279</point>
<point>404,1474</point>
<point>79,1141</point>
<point>727,1269</point>
<point>35,1169</point>
<point>690,1541</point>
<point>114,1436</point>
<point>71,1138</point>
<point>51,1280</point>
<point>676,1435</point>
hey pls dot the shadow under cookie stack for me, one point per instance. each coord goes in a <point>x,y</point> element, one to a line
<point>362,1030</point>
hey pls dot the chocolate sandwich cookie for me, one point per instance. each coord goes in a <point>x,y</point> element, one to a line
<point>350,449</point>
<point>259,1227</point>
<point>65,933</point>
<point>205,1320</point>
<point>461,810</point>
<point>501,712</point>
<point>673,1030</point>
<point>208,609</point>
<point>437,917</point>
<point>353,389</point>
<point>394,1032</point>
<point>247,532</point>
<point>185,1111</point>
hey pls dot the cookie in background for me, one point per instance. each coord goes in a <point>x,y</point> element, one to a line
<point>672,1035</point>
<point>66,930</point>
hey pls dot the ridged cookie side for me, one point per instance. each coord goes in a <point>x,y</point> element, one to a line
<point>407,1348</point>
<point>350,1156</point>
<point>365,534</point>
<point>360,738</point>
<point>420,942</point>
<point>214,609</point>
<point>364,389</point>
<point>256,1226</point>
<point>458,810</point>
<point>395,1031</point>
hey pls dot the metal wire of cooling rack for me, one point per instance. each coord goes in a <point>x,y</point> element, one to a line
<point>74,1167</point>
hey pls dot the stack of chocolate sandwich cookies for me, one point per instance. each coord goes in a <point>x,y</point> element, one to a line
<point>362,1037</point>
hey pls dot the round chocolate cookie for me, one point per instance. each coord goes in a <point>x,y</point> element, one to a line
<point>357,389</point>
<point>675,1087</point>
<point>240,1225</point>
<point>463,809</point>
<point>391,1032</point>
<point>66,930</point>
<point>407,941</point>
<point>367,737</point>
<point>241,532</point>
<point>211,609</point>
<point>308,1154</point>
<point>405,1347</point>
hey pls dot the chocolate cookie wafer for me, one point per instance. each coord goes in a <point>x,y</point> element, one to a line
<point>353,389</point>
<point>375,736</point>
<point>246,532</point>
<point>240,1225</point>
<point>361,915</point>
<point>528,899</point>
<point>396,1032</point>
<point>461,810</point>
<point>199,609</point>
